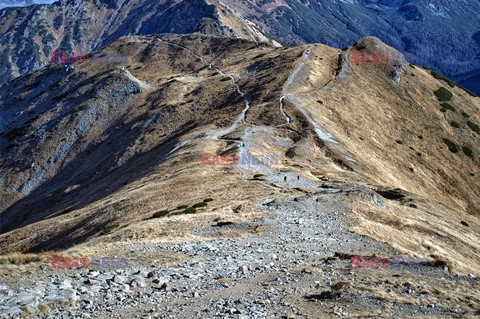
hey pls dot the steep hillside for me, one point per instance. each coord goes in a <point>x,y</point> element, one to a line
<point>91,127</point>
<point>103,112</point>
<point>369,159</point>
<point>29,34</point>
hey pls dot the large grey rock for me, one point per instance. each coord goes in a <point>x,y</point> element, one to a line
<point>24,298</point>
<point>54,297</point>
<point>96,288</point>
<point>377,200</point>
<point>14,311</point>
<point>119,279</point>
<point>138,281</point>
<point>39,289</point>
<point>63,283</point>
<point>105,276</point>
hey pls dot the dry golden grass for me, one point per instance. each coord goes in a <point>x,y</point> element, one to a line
<point>415,235</point>
<point>363,110</point>
<point>23,259</point>
<point>43,308</point>
<point>26,312</point>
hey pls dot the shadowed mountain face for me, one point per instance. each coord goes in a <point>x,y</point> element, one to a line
<point>440,35</point>
<point>85,122</point>
<point>29,34</point>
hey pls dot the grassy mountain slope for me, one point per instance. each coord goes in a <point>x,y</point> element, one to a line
<point>91,147</point>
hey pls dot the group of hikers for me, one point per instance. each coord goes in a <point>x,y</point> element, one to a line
<point>285,178</point>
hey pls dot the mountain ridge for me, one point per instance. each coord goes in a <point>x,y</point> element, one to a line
<point>374,166</point>
<point>167,102</point>
<point>30,34</point>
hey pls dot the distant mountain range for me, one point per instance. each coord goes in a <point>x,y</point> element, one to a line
<point>442,35</point>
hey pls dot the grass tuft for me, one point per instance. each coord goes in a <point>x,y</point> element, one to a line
<point>54,67</point>
<point>19,259</point>
<point>82,107</point>
<point>443,94</point>
<point>198,205</point>
<point>439,76</point>
<point>448,106</point>
<point>59,83</point>
<point>474,127</point>
<point>451,145</point>
<point>467,151</point>
<point>160,214</point>
<point>43,308</point>
<point>454,124</point>
<point>109,229</point>
<point>190,210</point>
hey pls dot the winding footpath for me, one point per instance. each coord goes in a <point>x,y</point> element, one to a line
<point>290,80</point>
<point>242,116</point>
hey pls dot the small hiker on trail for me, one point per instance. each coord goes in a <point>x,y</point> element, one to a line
<point>285,178</point>
<point>298,177</point>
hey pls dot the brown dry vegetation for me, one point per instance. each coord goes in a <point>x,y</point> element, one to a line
<point>114,175</point>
